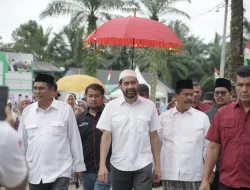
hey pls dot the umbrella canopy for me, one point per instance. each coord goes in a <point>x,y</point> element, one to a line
<point>137,32</point>
<point>76,83</point>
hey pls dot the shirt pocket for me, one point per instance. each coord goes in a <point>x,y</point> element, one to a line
<point>230,129</point>
<point>118,122</point>
<point>57,128</point>
<point>31,130</point>
<point>142,124</point>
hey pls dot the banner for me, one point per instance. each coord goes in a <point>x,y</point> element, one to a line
<point>16,73</point>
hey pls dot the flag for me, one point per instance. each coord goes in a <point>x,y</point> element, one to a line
<point>109,76</point>
<point>216,73</point>
<point>245,62</point>
<point>247,51</point>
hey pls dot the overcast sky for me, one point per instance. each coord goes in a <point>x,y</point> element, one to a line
<point>205,21</point>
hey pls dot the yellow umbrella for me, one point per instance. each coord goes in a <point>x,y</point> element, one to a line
<point>76,83</point>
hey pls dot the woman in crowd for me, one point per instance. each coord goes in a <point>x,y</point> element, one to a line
<point>71,100</point>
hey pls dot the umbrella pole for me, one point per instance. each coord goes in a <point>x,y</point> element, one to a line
<point>133,51</point>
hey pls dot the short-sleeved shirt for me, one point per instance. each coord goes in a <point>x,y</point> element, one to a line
<point>13,169</point>
<point>231,129</point>
<point>130,126</point>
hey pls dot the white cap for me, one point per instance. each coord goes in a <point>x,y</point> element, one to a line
<point>9,102</point>
<point>127,73</point>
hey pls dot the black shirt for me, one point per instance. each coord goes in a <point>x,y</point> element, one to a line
<point>91,140</point>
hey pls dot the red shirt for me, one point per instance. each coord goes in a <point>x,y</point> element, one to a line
<point>202,107</point>
<point>231,129</point>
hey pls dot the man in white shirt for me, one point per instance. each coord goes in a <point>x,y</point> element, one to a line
<point>132,121</point>
<point>13,168</point>
<point>51,139</point>
<point>183,143</point>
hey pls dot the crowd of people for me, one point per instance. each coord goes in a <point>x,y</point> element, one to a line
<point>127,143</point>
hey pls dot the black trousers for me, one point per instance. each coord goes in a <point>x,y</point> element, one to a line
<point>128,180</point>
<point>224,187</point>
<point>215,184</point>
<point>61,183</point>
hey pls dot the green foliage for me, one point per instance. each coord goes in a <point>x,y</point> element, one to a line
<point>91,64</point>
<point>157,8</point>
<point>82,11</point>
<point>31,38</point>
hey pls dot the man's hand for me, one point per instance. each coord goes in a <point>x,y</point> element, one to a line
<point>211,178</point>
<point>79,175</point>
<point>157,175</point>
<point>9,118</point>
<point>205,185</point>
<point>103,174</point>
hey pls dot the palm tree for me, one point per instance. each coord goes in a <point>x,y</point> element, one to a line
<point>159,8</point>
<point>236,43</point>
<point>84,11</point>
<point>156,9</point>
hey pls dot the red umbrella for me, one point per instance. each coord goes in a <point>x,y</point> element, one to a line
<point>136,32</point>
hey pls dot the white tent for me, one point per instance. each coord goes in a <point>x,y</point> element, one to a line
<point>159,93</point>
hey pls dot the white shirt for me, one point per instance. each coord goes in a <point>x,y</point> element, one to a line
<point>130,126</point>
<point>52,142</point>
<point>183,144</point>
<point>13,168</point>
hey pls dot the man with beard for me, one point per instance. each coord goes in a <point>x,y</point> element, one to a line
<point>91,138</point>
<point>229,133</point>
<point>51,139</point>
<point>196,98</point>
<point>183,143</point>
<point>132,123</point>
<point>222,96</point>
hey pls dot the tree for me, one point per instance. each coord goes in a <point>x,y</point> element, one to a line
<point>82,11</point>
<point>157,9</point>
<point>236,43</point>
<point>31,38</point>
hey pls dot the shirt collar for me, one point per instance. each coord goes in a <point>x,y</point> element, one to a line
<point>123,100</point>
<point>100,111</point>
<point>54,104</point>
<point>175,111</point>
<point>237,104</point>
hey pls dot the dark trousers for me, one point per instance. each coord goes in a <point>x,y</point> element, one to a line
<point>215,184</point>
<point>224,187</point>
<point>61,183</point>
<point>90,182</point>
<point>128,180</point>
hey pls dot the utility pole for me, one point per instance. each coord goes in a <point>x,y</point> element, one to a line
<point>223,51</point>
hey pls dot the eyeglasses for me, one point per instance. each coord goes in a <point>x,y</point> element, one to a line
<point>222,93</point>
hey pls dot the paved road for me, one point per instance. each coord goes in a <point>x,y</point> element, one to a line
<point>72,187</point>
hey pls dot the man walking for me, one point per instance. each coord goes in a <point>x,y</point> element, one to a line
<point>132,123</point>
<point>91,138</point>
<point>229,133</point>
<point>51,139</point>
<point>183,143</point>
<point>222,96</point>
<point>196,98</point>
